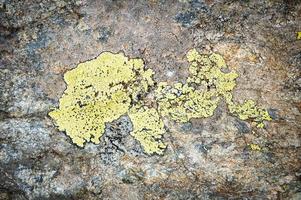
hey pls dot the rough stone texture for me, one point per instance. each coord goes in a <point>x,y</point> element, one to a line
<point>206,158</point>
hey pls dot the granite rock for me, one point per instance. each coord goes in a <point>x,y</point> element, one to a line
<point>206,158</point>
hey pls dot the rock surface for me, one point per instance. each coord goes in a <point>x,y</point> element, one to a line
<point>220,157</point>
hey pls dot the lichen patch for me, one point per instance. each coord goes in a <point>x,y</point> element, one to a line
<point>101,90</point>
<point>210,80</point>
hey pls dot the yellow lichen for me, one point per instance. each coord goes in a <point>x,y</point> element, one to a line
<point>255,147</point>
<point>99,91</point>
<point>248,110</point>
<point>181,103</point>
<point>148,128</point>
<point>111,85</point>
<point>206,85</point>
<point>299,35</point>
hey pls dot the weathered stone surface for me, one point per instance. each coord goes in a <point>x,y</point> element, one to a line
<point>212,158</point>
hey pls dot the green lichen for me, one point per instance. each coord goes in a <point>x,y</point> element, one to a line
<point>111,85</point>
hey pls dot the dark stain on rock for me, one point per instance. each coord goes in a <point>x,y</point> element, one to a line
<point>202,148</point>
<point>190,17</point>
<point>113,140</point>
<point>9,186</point>
<point>241,126</point>
<point>273,113</point>
<point>3,115</point>
<point>198,5</point>
<point>104,34</point>
<point>270,157</point>
<point>186,19</point>
<point>186,127</point>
